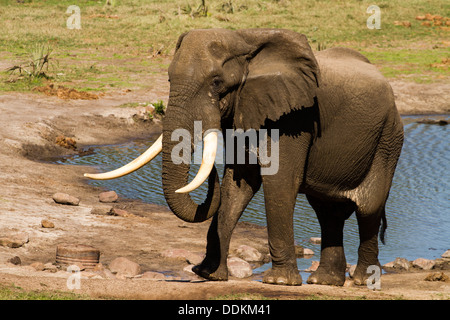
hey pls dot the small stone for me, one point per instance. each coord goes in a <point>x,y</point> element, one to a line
<point>50,267</point>
<point>47,224</point>
<point>313,267</point>
<point>446,254</point>
<point>248,253</point>
<point>401,264</point>
<point>299,251</point>
<point>151,275</point>
<point>38,266</point>
<point>175,253</point>
<point>351,270</point>
<point>424,264</point>
<point>15,261</point>
<point>315,240</point>
<point>121,213</point>
<point>102,211</point>
<point>108,196</point>
<point>437,276</point>
<point>239,268</point>
<point>64,198</point>
<point>124,267</point>
<point>14,241</point>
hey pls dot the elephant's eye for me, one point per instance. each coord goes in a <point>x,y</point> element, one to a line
<point>216,83</point>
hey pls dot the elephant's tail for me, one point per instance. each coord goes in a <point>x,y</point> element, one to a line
<point>383,226</point>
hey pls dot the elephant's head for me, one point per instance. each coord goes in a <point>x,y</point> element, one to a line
<point>226,79</point>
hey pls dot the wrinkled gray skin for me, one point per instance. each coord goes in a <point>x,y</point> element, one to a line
<point>340,139</point>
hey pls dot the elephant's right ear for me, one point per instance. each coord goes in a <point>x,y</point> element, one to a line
<point>282,76</point>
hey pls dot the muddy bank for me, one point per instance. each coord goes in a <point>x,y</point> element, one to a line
<point>29,130</point>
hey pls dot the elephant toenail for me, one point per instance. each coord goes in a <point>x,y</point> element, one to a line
<point>281,280</point>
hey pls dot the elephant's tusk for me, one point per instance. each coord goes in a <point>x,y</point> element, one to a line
<point>137,163</point>
<point>209,155</point>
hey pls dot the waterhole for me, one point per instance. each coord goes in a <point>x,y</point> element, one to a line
<point>418,214</point>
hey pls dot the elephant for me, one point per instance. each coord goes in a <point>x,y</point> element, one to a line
<point>339,137</point>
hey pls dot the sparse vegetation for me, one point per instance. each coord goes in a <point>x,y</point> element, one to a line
<point>14,292</point>
<point>124,45</point>
<point>159,107</point>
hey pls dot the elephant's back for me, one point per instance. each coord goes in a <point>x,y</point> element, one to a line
<point>346,75</point>
<point>341,53</point>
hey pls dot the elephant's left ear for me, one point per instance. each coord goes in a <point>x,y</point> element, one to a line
<point>282,76</point>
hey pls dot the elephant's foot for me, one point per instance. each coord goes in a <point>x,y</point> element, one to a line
<point>209,272</point>
<point>362,274</point>
<point>327,276</point>
<point>283,276</point>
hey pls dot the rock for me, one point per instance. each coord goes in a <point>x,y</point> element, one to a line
<point>64,198</point>
<point>47,224</point>
<point>441,122</point>
<point>446,254</point>
<point>102,211</point>
<point>121,213</point>
<point>38,266</point>
<point>248,253</point>
<point>399,264</point>
<point>14,241</point>
<point>351,270</point>
<point>301,252</point>
<point>442,264</point>
<point>151,275</point>
<point>437,276</point>
<point>175,253</point>
<point>313,267</point>
<point>50,267</point>
<point>239,268</point>
<point>124,267</point>
<point>424,264</point>
<point>108,196</point>
<point>15,261</point>
<point>315,240</point>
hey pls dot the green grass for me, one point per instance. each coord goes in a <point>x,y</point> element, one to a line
<point>137,37</point>
<point>13,292</point>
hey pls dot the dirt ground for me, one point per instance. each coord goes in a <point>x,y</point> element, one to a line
<point>29,125</point>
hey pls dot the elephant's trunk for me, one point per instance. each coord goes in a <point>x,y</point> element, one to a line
<point>175,176</point>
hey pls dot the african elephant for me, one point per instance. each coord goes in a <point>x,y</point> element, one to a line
<point>339,139</point>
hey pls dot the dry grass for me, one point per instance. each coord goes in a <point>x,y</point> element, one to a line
<point>117,42</point>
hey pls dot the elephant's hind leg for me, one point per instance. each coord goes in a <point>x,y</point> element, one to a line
<point>332,216</point>
<point>369,226</point>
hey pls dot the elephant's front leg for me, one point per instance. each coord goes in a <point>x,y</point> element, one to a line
<point>240,183</point>
<point>280,194</point>
<point>280,197</point>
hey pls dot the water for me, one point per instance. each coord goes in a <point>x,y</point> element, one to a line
<point>418,211</point>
